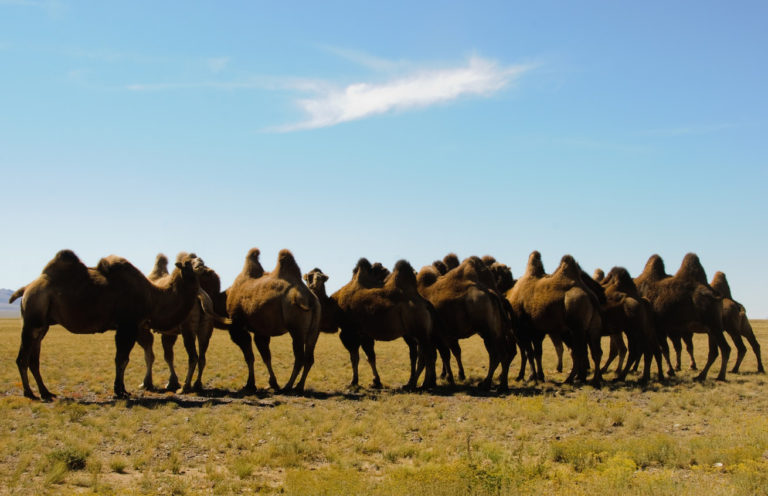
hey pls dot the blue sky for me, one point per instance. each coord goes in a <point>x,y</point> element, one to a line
<point>608,130</point>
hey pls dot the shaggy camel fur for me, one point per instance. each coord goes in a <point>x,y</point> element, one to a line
<point>627,311</point>
<point>559,304</point>
<point>114,295</point>
<point>271,304</point>
<point>329,313</point>
<point>372,309</point>
<point>466,305</point>
<point>685,303</point>
<point>198,326</point>
<point>736,323</point>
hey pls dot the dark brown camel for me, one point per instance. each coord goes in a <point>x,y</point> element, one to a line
<point>559,304</point>
<point>466,306</point>
<point>198,326</point>
<point>685,303</point>
<point>372,309</point>
<point>271,304</point>
<point>113,295</point>
<point>736,323</point>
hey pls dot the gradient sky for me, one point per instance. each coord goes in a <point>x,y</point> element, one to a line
<point>607,130</point>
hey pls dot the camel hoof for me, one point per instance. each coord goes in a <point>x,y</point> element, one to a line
<point>172,386</point>
<point>760,370</point>
<point>198,387</point>
<point>377,385</point>
<point>700,378</point>
<point>148,387</point>
<point>721,378</point>
<point>247,389</point>
<point>47,396</point>
<point>185,390</point>
<point>273,384</point>
<point>693,367</point>
<point>462,377</point>
<point>122,395</point>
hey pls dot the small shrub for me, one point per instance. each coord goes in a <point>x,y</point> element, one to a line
<point>73,458</point>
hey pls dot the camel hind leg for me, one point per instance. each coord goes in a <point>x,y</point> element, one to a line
<point>456,350</point>
<point>688,340</point>
<point>309,358</point>
<point>298,360</point>
<point>242,339</point>
<point>370,353</point>
<point>750,335</point>
<point>741,349</point>
<point>413,356</point>
<point>351,341</point>
<point>125,338</point>
<point>146,340</point>
<point>192,359</point>
<point>716,341</point>
<point>262,344</point>
<point>203,340</point>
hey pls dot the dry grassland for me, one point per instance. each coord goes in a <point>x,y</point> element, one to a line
<point>677,438</point>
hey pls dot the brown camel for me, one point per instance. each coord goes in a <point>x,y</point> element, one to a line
<point>627,311</point>
<point>685,303</point>
<point>560,304</point>
<point>466,306</point>
<point>736,323</point>
<point>271,304</point>
<point>372,309</point>
<point>113,295</point>
<point>198,326</point>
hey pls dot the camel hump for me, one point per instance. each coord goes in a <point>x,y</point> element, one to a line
<point>569,268</point>
<point>64,264</point>
<point>440,267</point>
<point>535,267</point>
<point>427,276</point>
<point>503,276</point>
<point>403,276</point>
<point>488,260</point>
<point>473,268</point>
<point>287,268</point>
<point>654,268</point>
<point>598,275</point>
<point>362,265</point>
<point>691,269</point>
<point>621,280</point>
<point>112,263</point>
<point>160,268</point>
<point>451,261</point>
<point>252,267</point>
<point>720,284</point>
<point>210,281</point>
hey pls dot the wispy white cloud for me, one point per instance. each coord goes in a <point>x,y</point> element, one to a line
<point>367,60</point>
<point>689,130</point>
<point>479,77</point>
<point>217,64</point>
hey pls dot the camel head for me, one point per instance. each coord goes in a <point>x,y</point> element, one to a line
<point>187,270</point>
<point>535,267</point>
<point>404,276</point>
<point>316,280</point>
<point>451,261</point>
<point>598,275</point>
<point>503,275</point>
<point>720,284</point>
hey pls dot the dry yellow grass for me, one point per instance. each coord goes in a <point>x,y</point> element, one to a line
<point>679,438</point>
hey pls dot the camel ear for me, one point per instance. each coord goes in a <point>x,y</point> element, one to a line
<point>178,265</point>
<point>322,277</point>
<point>306,277</point>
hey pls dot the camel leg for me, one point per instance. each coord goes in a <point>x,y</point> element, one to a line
<point>29,337</point>
<point>664,348</point>
<point>413,356</point>
<point>262,344</point>
<point>298,360</point>
<point>309,358</point>
<point>456,350</point>
<point>597,354</point>
<point>34,366</point>
<point>351,342</point>
<point>146,340</point>
<point>169,340</point>
<point>741,350</point>
<point>622,350</point>
<point>368,347</point>
<point>429,357</point>
<point>493,363</point>
<point>613,352</point>
<point>677,345</point>
<point>688,340</point>
<point>240,337</point>
<point>750,335</point>
<point>538,350</point>
<point>203,339</point>
<point>558,344</point>
<point>125,338</point>
<point>189,345</point>
<point>716,341</point>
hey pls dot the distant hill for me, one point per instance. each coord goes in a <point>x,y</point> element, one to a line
<point>9,309</point>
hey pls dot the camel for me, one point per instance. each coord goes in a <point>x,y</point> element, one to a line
<point>626,311</point>
<point>372,309</point>
<point>84,300</point>
<point>466,305</point>
<point>271,304</point>
<point>198,326</point>
<point>685,303</point>
<point>560,304</point>
<point>736,323</point>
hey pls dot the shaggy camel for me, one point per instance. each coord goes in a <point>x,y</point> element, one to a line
<point>372,309</point>
<point>627,311</point>
<point>198,326</point>
<point>736,323</point>
<point>685,303</point>
<point>114,295</point>
<point>271,304</point>
<point>466,305</point>
<point>560,304</point>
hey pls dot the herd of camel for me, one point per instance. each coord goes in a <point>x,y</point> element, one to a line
<point>432,310</point>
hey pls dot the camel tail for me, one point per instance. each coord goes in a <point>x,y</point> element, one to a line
<point>17,294</point>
